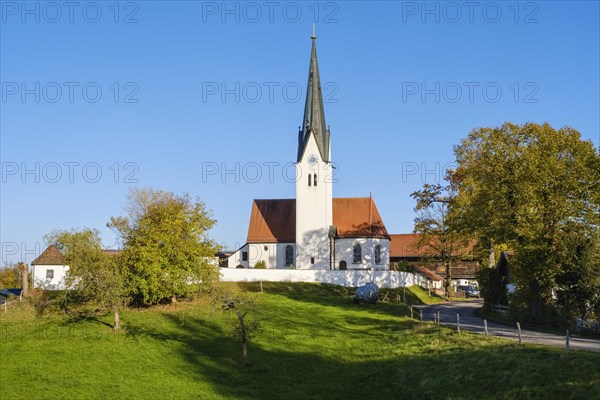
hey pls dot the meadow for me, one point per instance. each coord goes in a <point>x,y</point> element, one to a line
<point>315,344</point>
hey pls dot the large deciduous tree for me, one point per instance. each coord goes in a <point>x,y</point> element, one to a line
<point>438,238</point>
<point>99,279</point>
<point>526,186</point>
<point>166,247</point>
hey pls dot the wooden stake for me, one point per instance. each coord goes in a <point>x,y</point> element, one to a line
<point>485,328</point>
<point>457,322</point>
<point>567,344</point>
<point>421,315</point>
<point>438,317</point>
<point>261,287</point>
<point>519,332</point>
<point>411,313</point>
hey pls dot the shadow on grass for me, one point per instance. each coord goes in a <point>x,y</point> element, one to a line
<point>326,369</point>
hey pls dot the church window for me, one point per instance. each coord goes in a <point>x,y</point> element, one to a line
<point>378,254</point>
<point>244,256</point>
<point>309,180</point>
<point>315,179</point>
<point>289,255</point>
<point>312,260</point>
<point>49,274</point>
<point>357,254</point>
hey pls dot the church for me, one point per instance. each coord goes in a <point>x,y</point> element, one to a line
<point>314,230</point>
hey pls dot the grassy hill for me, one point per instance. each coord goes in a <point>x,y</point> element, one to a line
<point>316,345</point>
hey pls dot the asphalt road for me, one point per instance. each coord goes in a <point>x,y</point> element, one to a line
<point>469,320</point>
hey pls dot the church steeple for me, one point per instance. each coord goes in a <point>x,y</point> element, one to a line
<point>314,113</point>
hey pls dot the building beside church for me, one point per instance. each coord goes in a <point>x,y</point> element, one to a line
<point>314,230</point>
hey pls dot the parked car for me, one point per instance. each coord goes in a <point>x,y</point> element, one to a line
<point>367,293</point>
<point>471,291</point>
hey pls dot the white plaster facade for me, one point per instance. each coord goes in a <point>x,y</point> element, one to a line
<point>50,277</point>
<point>273,254</point>
<point>344,251</point>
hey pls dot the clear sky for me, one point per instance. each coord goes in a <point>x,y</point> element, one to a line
<point>206,98</point>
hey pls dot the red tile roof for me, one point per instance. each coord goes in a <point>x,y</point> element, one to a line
<point>407,245</point>
<point>273,221</point>
<point>428,273</point>
<point>50,256</point>
<point>358,217</point>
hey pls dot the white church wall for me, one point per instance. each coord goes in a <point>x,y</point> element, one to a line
<point>344,251</point>
<point>273,254</point>
<point>384,279</point>
<point>236,259</point>
<point>50,277</point>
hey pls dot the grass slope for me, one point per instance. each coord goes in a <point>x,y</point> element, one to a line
<point>316,345</point>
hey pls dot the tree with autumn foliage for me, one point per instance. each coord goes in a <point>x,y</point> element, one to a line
<point>166,247</point>
<point>439,240</point>
<point>100,280</point>
<point>529,187</point>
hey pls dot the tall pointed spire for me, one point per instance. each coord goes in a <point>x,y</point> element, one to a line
<point>314,112</point>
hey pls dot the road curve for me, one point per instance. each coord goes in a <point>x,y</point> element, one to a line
<point>469,320</point>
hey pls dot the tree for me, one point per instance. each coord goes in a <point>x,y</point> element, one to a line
<point>578,280</point>
<point>24,277</point>
<point>244,329</point>
<point>9,277</point>
<point>166,246</point>
<point>444,244</point>
<point>99,279</point>
<point>522,186</point>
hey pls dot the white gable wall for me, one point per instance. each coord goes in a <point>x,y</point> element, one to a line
<point>40,280</point>
<point>344,252</point>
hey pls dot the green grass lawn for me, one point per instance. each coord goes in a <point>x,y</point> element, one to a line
<point>316,344</point>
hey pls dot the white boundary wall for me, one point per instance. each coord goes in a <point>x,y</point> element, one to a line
<point>383,279</point>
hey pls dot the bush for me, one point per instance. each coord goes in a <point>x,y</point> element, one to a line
<point>260,265</point>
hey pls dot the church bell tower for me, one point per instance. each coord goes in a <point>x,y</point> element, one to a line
<point>314,175</point>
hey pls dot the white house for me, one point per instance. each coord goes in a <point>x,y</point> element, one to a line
<point>49,270</point>
<point>314,230</point>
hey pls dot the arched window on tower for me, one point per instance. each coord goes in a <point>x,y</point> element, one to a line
<point>315,179</point>
<point>357,254</point>
<point>378,254</point>
<point>309,180</point>
<point>289,255</point>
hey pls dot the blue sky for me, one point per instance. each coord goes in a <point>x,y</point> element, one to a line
<point>199,97</point>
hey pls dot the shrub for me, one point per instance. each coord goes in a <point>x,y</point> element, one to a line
<point>260,265</point>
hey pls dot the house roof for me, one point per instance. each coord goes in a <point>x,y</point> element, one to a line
<point>428,273</point>
<point>274,221</point>
<point>50,256</point>
<point>407,245</point>
<point>111,252</point>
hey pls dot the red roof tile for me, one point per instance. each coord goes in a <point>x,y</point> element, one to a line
<point>273,221</point>
<point>50,256</point>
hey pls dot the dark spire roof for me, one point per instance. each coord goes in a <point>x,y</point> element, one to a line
<point>314,113</point>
